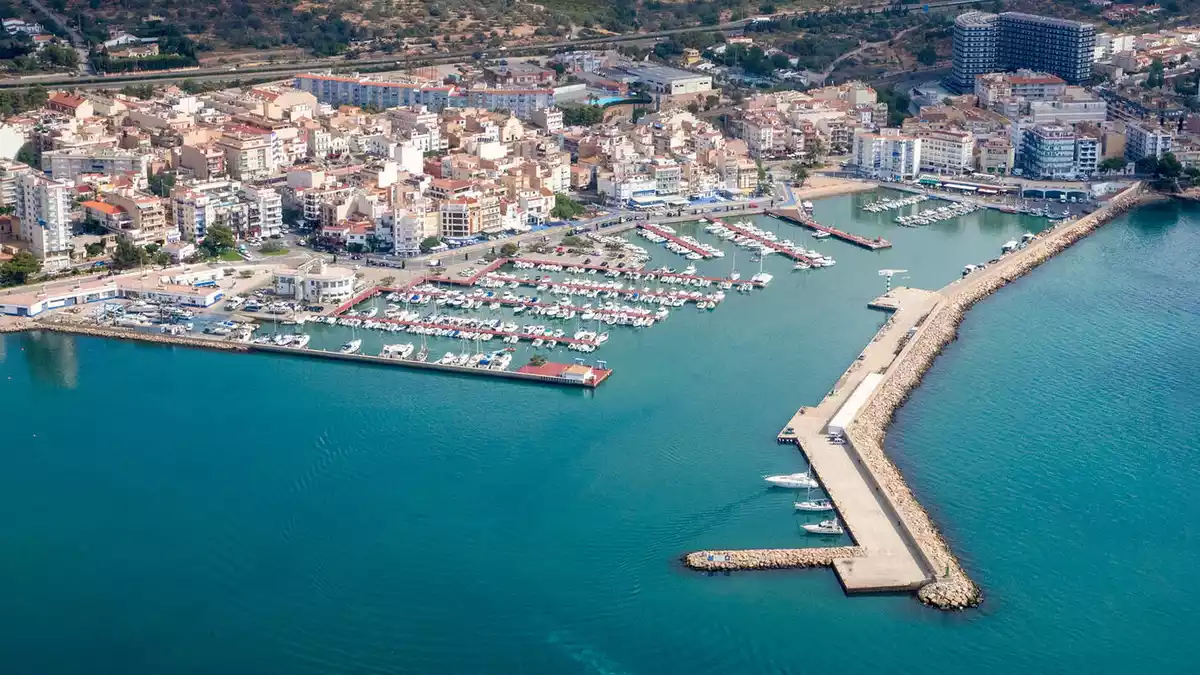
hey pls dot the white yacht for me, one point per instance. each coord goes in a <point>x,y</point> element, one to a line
<point>371,313</point>
<point>814,505</point>
<point>824,527</point>
<point>351,347</point>
<point>820,234</point>
<point>795,481</point>
<point>302,341</point>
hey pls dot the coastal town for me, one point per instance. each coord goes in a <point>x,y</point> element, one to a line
<point>509,217</point>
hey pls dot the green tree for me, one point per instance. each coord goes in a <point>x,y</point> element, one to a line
<point>582,115</point>
<point>799,173</point>
<point>127,256</point>
<point>94,250</point>
<point>218,239</point>
<point>927,55</point>
<point>429,243</point>
<point>1147,165</point>
<point>509,249</point>
<point>1112,164</point>
<point>162,259</point>
<point>161,183</point>
<point>18,270</point>
<point>1156,77</point>
<point>355,247</point>
<point>566,208</point>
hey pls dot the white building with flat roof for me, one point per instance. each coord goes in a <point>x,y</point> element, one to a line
<point>314,281</point>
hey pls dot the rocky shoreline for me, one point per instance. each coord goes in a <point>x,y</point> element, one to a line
<point>768,558</point>
<point>951,588</point>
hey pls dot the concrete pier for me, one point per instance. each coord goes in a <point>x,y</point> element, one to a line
<point>795,217</point>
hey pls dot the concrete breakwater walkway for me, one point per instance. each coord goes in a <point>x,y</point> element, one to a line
<point>951,588</point>
<point>898,545</point>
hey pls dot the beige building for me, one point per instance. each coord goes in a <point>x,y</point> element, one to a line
<point>995,155</point>
<point>249,153</point>
<point>147,218</point>
<point>205,161</point>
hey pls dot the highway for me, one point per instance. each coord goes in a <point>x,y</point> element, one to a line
<point>399,62</point>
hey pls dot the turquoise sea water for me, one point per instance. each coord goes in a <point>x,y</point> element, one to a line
<point>179,511</point>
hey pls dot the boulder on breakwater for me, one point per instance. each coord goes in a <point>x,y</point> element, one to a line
<point>768,558</point>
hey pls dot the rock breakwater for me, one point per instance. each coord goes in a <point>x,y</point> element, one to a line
<point>126,334</point>
<point>768,558</point>
<point>951,588</point>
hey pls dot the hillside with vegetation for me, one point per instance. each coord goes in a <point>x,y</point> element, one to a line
<point>328,27</point>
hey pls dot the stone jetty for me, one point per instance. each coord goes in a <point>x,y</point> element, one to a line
<point>768,558</point>
<point>898,546</point>
<point>951,588</point>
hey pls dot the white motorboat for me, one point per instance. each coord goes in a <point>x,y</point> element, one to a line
<point>351,347</point>
<point>820,234</point>
<point>794,481</point>
<point>302,341</point>
<point>824,527</point>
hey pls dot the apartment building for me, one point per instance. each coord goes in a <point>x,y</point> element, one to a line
<point>71,164</point>
<point>888,154</point>
<point>250,153</point>
<point>1056,152</point>
<point>1145,140</point>
<point>247,210</point>
<point>43,207</point>
<point>985,43</point>
<point>947,150</point>
<point>147,218</point>
<point>461,217</point>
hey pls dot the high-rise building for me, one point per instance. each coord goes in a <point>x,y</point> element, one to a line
<point>986,43</point>
<point>976,35</point>
<point>43,206</point>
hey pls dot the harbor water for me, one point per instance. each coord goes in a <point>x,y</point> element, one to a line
<point>181,511</point>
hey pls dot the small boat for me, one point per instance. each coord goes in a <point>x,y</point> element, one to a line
<point>351,347</point>
<point>814,505</point>
<point>820,234</point>
<point>794,481</point>
<point>824,527</point>
<point>302,341</point>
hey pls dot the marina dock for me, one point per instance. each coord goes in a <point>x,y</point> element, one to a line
<point>640,274</point>
<point>599,312</point>
<point>774,246</point>
<point>675,240</point>
<point>797,218</point>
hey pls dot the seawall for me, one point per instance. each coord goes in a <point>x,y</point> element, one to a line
<point>121,334</point>
<point>951,587</point>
